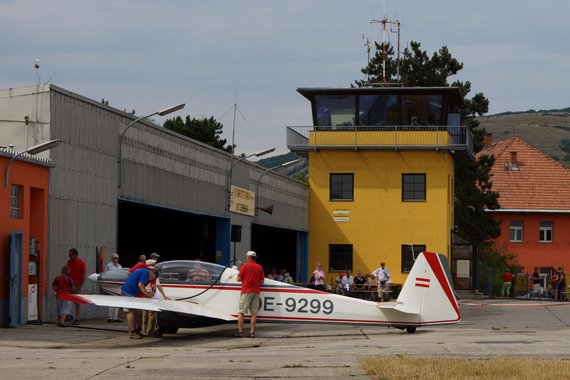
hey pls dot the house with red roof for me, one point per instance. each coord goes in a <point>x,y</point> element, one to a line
<point>535,204</point>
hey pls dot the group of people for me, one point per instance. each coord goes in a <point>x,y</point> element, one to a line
<point>281,275</point>
<point>557,284</point>
<point>143,281</point>
<point>360,286</point>
<point>70,280</point>
<point>558,280</point>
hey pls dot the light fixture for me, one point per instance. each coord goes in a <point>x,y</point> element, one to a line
<point>229,184</point>
<point>162,112</point>
<point>32,151</point>
<point>269,209</point>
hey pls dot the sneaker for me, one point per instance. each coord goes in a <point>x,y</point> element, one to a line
<point>109,320</point>
<point>69,318</point>
<point>76,322</point>
<point>135,335</point>
<point>118,320</point>
<point>61,325</point>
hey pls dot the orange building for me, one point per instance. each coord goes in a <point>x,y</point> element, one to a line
<point>23,235</point>
<point>535,204</point>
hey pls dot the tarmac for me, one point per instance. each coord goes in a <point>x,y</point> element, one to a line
<point>97,349</point>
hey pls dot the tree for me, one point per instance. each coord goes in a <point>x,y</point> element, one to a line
<point>206,130</point>
<point>473,186</point>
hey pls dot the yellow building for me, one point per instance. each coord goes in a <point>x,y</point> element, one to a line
<point>381,169</point>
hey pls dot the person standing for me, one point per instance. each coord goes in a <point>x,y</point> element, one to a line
<point>113,265</point>
<point>319,277</point>
<point>251,277</point>
<point>561,285</point>
<point>507,281</point>
<point>77,270</point>
<point>382,274</point>
<point>359,282</point>
<point>63,284</point>
<point>554,279</point>
<point>536,283</point>
<point>135,286</point>
<point>142,263</point>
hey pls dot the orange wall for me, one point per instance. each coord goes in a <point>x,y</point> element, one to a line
<point>34,179</point>
<point>530,252</point>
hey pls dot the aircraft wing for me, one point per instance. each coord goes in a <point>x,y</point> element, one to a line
<point>398,306</point>
<point>181,307</point>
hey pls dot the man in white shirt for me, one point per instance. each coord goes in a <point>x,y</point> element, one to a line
<point>113,265</point>
<point>383,276</point>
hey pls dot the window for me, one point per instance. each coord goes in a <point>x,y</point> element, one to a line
<point>421,109</point>
<point>413,187</point>
<point>335,110</point>
<point>16,202</point>
<point>341,187</point>
<point>516,231</point>
<point>340,257</point>
<point>378,110</point>
<point>409,253</point>
<point>545,232</point>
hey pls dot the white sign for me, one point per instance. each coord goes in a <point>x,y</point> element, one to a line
<point>341,219</point>
<point>242,201</point>
<point>32,302</point>
<point>463,269</point>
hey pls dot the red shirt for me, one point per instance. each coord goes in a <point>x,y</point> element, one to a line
<point>77,270</point>
<point>139,265</point>
<point>251,274</point>
<point>508,277</point>
<point>62,285</point>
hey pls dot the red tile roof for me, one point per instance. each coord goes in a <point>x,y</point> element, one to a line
<point>533,182</point>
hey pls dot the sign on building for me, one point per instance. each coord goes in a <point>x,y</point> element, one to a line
<point>242,201</point>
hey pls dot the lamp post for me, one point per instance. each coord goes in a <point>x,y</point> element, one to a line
<point>32,151</point>
<point>258,154</point>
<point>283,165</point>
<point>163,112</point>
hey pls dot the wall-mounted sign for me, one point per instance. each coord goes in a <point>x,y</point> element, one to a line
<point>463,270</point>
<point>242,201</point>
<point>341,219</point>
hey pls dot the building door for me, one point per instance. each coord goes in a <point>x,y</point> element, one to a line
<point>15,279</point>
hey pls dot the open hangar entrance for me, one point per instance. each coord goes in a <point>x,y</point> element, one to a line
<point>276,248</point>
<point>173,234</point>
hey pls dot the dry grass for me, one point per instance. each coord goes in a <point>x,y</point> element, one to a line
<point>388,368</point>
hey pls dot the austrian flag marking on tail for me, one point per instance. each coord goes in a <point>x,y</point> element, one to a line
<point>422,282</point>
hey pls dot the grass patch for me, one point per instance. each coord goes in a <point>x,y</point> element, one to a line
<point>388,368</point>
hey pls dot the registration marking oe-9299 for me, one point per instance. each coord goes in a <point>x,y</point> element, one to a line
<point>297,305</point>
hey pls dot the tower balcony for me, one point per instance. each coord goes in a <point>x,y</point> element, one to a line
<point>439,138</point>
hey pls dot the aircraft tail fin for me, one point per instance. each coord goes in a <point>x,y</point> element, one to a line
<point>428,291</point>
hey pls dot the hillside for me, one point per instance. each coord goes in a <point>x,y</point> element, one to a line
<point>544,130</point>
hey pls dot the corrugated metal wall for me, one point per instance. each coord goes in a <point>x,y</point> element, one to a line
<point>159,168</point>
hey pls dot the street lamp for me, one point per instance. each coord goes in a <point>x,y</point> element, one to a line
<point>258,154</point>
<point>162,112</point>
<point>284,165</point>
<point>32,151</point>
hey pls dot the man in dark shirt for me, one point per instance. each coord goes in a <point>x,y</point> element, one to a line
<point>536,283</point>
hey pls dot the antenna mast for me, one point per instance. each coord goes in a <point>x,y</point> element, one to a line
<point>385,22</point>
<point>367,44</point>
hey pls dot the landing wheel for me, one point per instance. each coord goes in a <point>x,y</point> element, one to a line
<point>411,330</point>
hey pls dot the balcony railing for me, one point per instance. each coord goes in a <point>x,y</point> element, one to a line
<point>303,139</point>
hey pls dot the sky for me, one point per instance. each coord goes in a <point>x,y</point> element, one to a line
<point>147,55</point>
